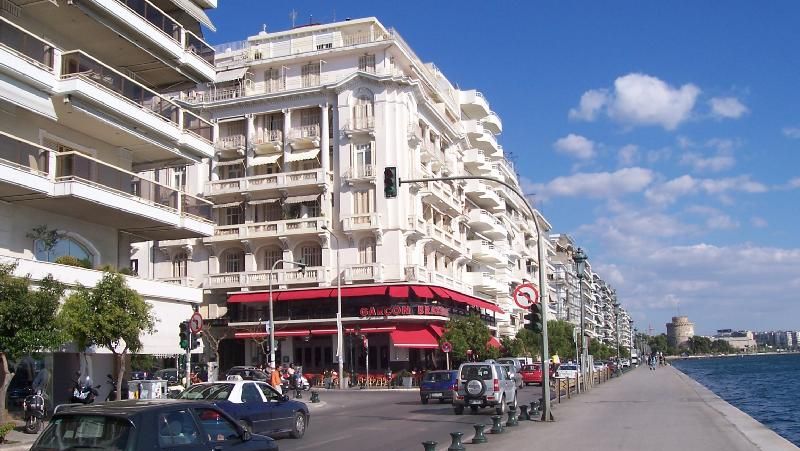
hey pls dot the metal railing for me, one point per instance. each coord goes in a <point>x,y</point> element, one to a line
<point>24,155</point>
<point>77,64</point>
<point>27,44</point>
<point>360,172</point>
<point>306,131</point>
<point>269,136</point>
<point>199,47</point>
<point>198,126</point>
<point>231,142</point>
<point>156,17</point>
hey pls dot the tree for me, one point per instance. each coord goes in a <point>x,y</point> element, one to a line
<point>109,315</point>
<point>213,336</point>
<point>28,321</point>
<point>560,338</point>
<point>47,238</point>
<point>469,333</point>
<point>529,342</point>
<point>511,347</point>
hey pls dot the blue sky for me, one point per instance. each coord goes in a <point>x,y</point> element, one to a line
<point>664,137</point>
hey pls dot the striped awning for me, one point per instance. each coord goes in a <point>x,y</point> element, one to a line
<point>301,199</point>
<point>302,155</point>
<point>266,159</point>
<point>230,162</point>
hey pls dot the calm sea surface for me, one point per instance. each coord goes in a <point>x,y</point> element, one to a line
<point>763,386</point>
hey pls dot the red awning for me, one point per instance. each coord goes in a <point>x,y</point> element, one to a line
<point>437,330</point>
<point>362,291</point>
<point>422,291</point>
<point>278,333</point>
<point>493,342</point>
<point>400,292</point>
<point>414,336</point>
<point>475,302</point>
<point>441,292</point>
<point>301,295</point>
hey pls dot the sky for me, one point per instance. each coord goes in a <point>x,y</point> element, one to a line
<point>664,137</point>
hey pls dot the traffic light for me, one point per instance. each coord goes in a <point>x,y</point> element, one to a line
<point>196,341</point>
<point>535,318</point>
<point>390,182</point>
<point>184,335</point>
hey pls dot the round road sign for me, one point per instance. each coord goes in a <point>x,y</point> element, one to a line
<point>525,295</point>
<point>196,323</point>
<point>446,346</point>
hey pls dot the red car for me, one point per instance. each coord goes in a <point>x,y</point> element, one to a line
<point>531,374</point>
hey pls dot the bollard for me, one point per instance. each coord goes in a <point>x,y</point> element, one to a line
<point>456,444</point>
<point>512,417</point>
<point>314,396</point>
<point>430,445</point>
<point>497,427</point>
<point>534,409</point>
<point>523,413</point>
<point>479,437</point>
<point>297,394</point>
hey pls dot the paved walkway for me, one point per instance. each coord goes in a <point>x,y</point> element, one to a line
<point>662,410</point>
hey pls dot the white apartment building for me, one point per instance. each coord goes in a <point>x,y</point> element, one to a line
<point>307,121</point>
<point>81,116</point>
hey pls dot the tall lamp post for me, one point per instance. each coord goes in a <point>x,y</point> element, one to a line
<point>302,267</point>
<point>339,332</point>
<point>616,328</point>
<point>580,262</point>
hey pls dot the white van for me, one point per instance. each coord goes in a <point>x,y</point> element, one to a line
<point>516,361</point>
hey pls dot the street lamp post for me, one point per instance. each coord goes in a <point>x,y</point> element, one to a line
<point>580,262</point>
<point>616,328</point>
<point>302,267</point>
<point>339,333</point>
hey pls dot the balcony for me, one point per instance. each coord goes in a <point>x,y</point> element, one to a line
<point>76,185</point>
<point>482,138</point>
<point>111,97</point>
<point>446,239</point>
<point>487,224</point>
<point>181,281</point>
<point>486,252</point>
<point>492,123</point>
<point>231,146</point>
<point>417,226</point>
<point>305,137</point>
<point>476,162</point>
<point>268,141</point>
<point>360,125</point>
<point>483,281</point>
<point>267,229</point>
<point>485,196</point>
<point>473,104</point>
<point>28,58</point>
<point>362,173</point>
<point>364,221</point>
<point>363,272</point>
<point>442,195</point>
<point>418,273</point>
<point>291,183</point>
<point>280,278</point>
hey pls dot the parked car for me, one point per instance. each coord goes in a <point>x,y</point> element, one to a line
<point>599,365</point>
<point>516,361</point>
<point>438,385</point>
<point>148,424</point>
<point>625,363</point>
<point>248,373</point>
<point>531,374</point>
<point>567,370</point>
<point>484,384</point>
<point>168,374</point>
<point>255,404</point>
<point>513,373</point>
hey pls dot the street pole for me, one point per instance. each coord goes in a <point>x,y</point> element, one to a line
<point>339,332</point>
<point>580,267</point>
<point>271,317</point>
<point>616,329</point>
<point>188,357</point>
<point>547,414</point>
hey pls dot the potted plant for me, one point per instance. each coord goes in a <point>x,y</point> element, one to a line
<point>405,379</point>
<point>4,430</point>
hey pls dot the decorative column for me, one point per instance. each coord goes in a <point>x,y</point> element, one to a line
<point>324,148</point>
<point>250,134</point>
<point>287,128</point>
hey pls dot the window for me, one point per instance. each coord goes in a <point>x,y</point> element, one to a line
<point>135,266</point>
<point>234,261</point>
<point>269,212</point>
<point>274,79</point>
<point>311,254</point>
<point>269,392</point>
<point>233,216</point>
<point>310,74</point>
<point>363,202</point>
<point>366,250</point>
<point>363,160</point>
<point>87,431</point>
<point>177,428</point>
<point>366,63</point>
<point>65,246</point>
<point>250,393</point>
<point>180,265</point>
<point>217,427</point>
<point>232,171</point>
<point>363,110</point>
<point>272,255</point>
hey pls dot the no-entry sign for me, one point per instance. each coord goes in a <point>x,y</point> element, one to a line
<point>525,295</point>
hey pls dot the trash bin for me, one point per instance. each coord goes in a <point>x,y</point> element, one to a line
<point>151,389</point>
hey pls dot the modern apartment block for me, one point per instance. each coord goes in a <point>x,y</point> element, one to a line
<point>82,114</point>
<point>307,121</point>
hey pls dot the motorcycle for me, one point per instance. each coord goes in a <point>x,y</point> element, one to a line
<point>34,412</point>
<point>83,392</point>
<point>112,395</point>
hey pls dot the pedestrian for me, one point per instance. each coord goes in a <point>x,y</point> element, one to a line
<point>275,378</point>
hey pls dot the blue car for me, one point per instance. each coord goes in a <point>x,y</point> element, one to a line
<point>255,404</point>
<point>438,385</point>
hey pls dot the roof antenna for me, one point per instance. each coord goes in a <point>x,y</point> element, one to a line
<point>293,16</point>
<point>310,19</point>
<point>263,28</point>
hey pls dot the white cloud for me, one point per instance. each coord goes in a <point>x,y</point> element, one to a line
<point>576,146</point>
<point>741,183</point>
<point>597,184</point>
<point>714,219</point>
<point>714,163</point>
<point>794,183</point>
<point>758,222</point>
<point>727,107</point>
<point>668,192</point>
<point>640,99</point>
<point>791,132</point>
<point>592,102</point>
<point>628,155</point>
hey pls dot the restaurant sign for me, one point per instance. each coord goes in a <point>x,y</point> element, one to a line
<point>403,310</point>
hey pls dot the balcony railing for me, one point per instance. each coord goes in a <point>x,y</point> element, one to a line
<point>27,44</point>
<point>312,274</point>
<point>360,172</point>
<point>156,17</point>
<point>269,136</point>
<point>361,221</point>
<point>23,155</point>
<point>233,142</point>
<point>76,64</point>
<point>306,131</point>
<point>363,271</point>
<point>198,126</point>
<point>200,48</point>
<point>360,123</point>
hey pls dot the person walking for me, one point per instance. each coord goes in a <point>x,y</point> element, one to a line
<point>275,378</point>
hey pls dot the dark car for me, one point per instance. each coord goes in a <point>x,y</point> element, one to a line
<point>148,424</point>
<point>255,404</point>
<point>248,373</point>
<point>438,385</point>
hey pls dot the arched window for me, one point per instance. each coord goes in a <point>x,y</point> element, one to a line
<point>180,265</point>
<point>271,255</point>
<point>311,254</point>
<point>366,250</point>
<point>65,246</point>
<point>363,110</point>
<point>234,260</point>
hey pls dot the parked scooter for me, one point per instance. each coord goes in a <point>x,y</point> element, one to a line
<point>34,412</point>
<point>112,395</point>
<point>82,390</point>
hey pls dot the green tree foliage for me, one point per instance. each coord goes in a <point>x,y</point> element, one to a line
<point>530,343</point>
<point>700,345</point>
<point>469,333</point>
<point>28,321</point>
<point>48,238</point>
<point>723,347</point>
<point>560,342</point>
<point>660,343</point>
<point>108,315</point>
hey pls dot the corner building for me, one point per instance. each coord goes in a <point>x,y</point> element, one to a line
<point>307,121</point>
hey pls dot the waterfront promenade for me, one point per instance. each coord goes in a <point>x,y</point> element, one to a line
<point>662,410</point>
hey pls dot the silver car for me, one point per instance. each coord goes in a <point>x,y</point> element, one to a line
<point>514,374</point>
<point>484,384</point>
